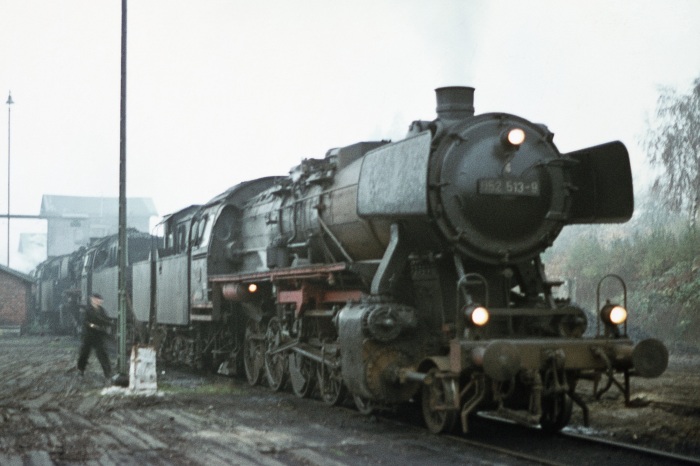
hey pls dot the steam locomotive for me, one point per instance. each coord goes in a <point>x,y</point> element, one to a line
<point>403,271</point>
<point>63,282</point>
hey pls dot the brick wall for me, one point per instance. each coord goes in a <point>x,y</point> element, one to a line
<point>14,299</point>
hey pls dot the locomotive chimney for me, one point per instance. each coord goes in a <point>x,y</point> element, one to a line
<point>455,102</point>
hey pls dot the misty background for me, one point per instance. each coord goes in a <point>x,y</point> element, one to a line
<point>224,91</point>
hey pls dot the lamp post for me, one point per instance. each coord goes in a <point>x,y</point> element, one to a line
<point>9,104</point>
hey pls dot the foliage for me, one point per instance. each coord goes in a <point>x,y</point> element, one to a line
<point>674,144</point>
<point>661,268</point>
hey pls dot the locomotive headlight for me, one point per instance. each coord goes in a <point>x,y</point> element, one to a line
<point>515,136</point>
<point>613,314</point>
<point>618,315</point>
<point>252,288</point>
<point>479,315</point>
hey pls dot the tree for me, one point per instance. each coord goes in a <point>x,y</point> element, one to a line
<point>674,144</point>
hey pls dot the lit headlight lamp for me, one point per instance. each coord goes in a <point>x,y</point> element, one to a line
<point>613,315</point>
<point>477,315</point>
<point>513,137</point>
<point>239,292</point>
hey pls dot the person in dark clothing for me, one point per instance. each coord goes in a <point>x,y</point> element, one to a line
<point>96,325</point>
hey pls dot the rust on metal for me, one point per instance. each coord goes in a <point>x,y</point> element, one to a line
<point>309,271</point>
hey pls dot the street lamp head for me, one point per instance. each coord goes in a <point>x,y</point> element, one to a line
<point>9,99</point>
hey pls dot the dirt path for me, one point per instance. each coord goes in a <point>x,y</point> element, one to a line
<point>50,415</point>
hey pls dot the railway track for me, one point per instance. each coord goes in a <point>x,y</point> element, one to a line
<point>531,445</point>
<point>656,456</point>
<point>564,448</point>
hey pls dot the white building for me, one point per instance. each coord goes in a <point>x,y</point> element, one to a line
<point>72,221</point>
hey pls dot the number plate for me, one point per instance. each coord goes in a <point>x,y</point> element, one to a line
<point>509,187</point>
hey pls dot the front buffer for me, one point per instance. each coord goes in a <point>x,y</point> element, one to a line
<point>534,381</point>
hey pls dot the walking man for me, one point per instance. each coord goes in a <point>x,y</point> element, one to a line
<point>95,328</point>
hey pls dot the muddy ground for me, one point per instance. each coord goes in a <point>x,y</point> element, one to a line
<point>51,415</point>
<point>664,413</point>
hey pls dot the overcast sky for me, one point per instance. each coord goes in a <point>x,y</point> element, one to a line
<point>221,91</point>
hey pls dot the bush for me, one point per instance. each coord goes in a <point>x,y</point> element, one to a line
<point>658,267</point>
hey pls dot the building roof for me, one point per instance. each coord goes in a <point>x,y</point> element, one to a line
<point>16,273</point>
<point>52,205</point>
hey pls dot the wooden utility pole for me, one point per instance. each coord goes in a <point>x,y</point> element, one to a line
<point>122,366</point>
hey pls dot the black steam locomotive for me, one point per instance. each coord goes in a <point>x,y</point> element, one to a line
<point>405,270</point>
<point>63,282</point>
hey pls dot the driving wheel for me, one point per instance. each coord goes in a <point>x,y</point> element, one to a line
<point>275,361</point>
<point>254,352</point>
<point>331,386</point>
<point>302,374</point>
